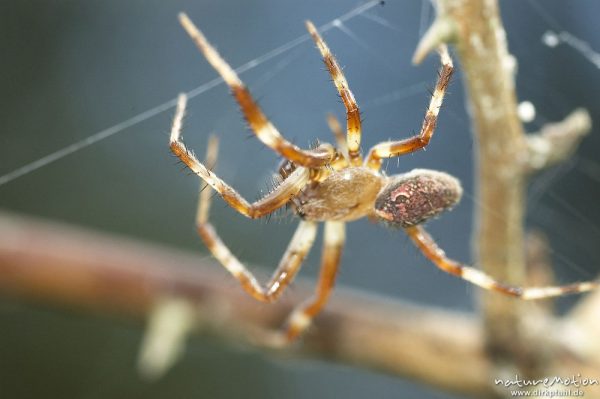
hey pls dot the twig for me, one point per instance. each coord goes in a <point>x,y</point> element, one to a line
<point>557,141</point>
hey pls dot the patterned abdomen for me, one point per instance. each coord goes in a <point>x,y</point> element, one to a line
<point>414,197</point>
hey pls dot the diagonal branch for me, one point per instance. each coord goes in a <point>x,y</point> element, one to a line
<point>70,267</point>
<point>556,142</point>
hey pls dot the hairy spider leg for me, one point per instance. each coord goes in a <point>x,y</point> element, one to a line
<point>269,203</point>
<point>259,123</point>
<point>433,252</point>
<point>397,148</point>
<point>204,197</point>
<point>290,263</point>
<point>301,318</point>
<point>338,133</point>
<point>353,127</point>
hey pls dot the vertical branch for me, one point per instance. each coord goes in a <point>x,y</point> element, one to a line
<point>501,150</point>
<point>505,157</point>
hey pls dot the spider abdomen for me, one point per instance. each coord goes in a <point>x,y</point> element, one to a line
<point>414,197</point>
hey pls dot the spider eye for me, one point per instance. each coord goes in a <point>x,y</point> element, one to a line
<point>414,197</point>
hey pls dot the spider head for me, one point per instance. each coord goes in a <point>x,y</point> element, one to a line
<point>414,197</point>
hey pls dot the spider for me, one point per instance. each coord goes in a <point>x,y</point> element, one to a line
<point>334,186</point>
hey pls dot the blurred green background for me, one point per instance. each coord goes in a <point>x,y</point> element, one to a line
<point>73,68</point>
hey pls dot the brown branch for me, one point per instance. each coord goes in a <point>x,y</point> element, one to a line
<point>71,267</point>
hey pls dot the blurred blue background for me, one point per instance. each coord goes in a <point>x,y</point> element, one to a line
<point>72,68</point>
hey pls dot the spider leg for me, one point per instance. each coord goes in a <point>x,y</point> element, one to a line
<point>433,252</point>
<point>205,196</point>
<point>352,111</point>
<point>338,133</point>
<point>262,127</point>
<point>289,265</point>
<point>269,203</point>
<point>301,318</point>
<point>397,148</point>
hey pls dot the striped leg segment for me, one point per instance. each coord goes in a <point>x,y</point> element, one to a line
<point>353,128</point>
<point>396,148</point>
<point>271,202</point>
<point>262,127</point>
<point>434,253</point>
<point>289,265</point>
<point>302,316</point>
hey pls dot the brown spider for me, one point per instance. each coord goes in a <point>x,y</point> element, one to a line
<point>335,186</point>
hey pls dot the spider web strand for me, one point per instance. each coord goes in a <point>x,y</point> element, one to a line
<point>141,117</point>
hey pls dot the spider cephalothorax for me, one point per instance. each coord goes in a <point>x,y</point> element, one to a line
<point>344,195</point>
<point>333,185</point>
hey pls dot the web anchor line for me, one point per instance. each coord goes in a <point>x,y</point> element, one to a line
<point>143,116</point>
